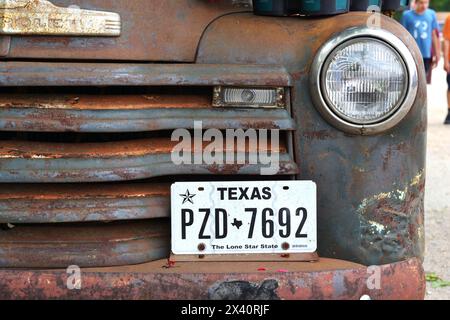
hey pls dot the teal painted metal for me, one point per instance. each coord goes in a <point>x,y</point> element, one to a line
<point>84,245</point>
<point>363,5</point>
<point>392,5</point>
<point>370,188</point>
<point>29,118</point>
<point>31,162</point>
<point>14,73</point>
<point>68,203</point>
<point>323,7</point>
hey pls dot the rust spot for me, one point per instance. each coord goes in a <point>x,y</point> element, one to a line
<point>104,102</point>
<point>85,245</point>
<point>326,279</point>
<point>392,222</point>
<point>225,169</point>
<point>270,125</point>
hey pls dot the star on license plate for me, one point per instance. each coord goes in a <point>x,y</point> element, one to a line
<point>244,217</point>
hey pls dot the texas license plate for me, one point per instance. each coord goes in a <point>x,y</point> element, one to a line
<point>244,217</point>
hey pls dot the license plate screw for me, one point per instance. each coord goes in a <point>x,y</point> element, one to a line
<point>285,246</point>
<point>201,247</point>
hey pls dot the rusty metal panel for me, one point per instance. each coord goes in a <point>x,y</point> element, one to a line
<point>39,162</point>
<point>131,113</point>
<point>374,211</point>
<point>43,203</point>
<point>41,17</point>
<point>129,102</point>
<point>14,73</point>
<point>323,280</point>
<point>5,42</point>
<point>84,245</point>
<point>370,189</point>
<point>147,33</point>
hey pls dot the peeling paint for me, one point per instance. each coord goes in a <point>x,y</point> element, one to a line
<point>398,194</point>
<point>347,168</point>
<point>377,226</point>
<point>391,222</point>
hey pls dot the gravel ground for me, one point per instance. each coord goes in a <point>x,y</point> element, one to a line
<point>437,199</point>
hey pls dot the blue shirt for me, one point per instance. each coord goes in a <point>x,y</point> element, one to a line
<point>421,27</point>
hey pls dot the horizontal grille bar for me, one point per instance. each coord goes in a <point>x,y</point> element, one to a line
<point>84,245</point>
<point>131,113</point>
<point>14,73</point>
<point>103,102</point>
<point>118,130</point>
<point>46,162</point>
<point>91,202</point>
<point>82,203</point>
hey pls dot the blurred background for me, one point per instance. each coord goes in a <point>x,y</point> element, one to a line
<point>440,5</point>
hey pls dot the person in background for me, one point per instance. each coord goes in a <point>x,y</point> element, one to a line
<point>446,33</point>
<point>434,52</point>
<point>422,23</point>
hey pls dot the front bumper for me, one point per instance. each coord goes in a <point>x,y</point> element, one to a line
<point>322,280</point>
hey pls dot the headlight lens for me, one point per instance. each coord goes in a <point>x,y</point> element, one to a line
<point>364,81</point>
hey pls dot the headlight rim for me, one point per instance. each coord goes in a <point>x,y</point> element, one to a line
<point>397,114</point>
<point>334,108</point>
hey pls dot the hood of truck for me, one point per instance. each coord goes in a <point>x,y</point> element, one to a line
<point>150,30</point>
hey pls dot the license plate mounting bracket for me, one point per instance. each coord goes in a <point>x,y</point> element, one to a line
<point>292,257</point>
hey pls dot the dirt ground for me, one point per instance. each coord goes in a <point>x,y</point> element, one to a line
<point>437,199</point>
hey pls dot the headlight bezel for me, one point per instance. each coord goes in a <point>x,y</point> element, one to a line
<point>332,105</point>
<point>342,39</point>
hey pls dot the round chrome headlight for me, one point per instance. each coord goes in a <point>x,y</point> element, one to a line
<point>364,81</point>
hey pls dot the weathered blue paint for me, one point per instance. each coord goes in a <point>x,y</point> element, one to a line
<point>24,118</point>
<point>119,74</point>
<point>87,245</point>
<point>41,203</point>
<point>41,166</point>
<point>370,188</point>
<point>357,176</point>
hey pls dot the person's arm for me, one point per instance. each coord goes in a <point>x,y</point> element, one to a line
<point>446,55</point>
<point>446,33</point>
<point>437,48</point>
<point>436,40</point>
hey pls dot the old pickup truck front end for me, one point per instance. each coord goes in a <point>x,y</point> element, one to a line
<point>86,119</point>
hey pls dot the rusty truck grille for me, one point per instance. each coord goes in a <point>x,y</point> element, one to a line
<point>73,158</point>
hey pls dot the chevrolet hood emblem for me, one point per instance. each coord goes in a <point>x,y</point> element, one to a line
<point>41,17</point>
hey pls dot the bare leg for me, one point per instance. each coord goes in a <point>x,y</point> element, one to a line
<point>448,100</point>
<point>447,121</point>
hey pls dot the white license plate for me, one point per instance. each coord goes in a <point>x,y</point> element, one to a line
<point>244,217</point>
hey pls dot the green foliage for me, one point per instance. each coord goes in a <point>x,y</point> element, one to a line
<point>436,281</point>
<point>440,5</point>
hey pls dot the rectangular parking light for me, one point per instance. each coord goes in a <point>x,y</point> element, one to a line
<point>246,97</point>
